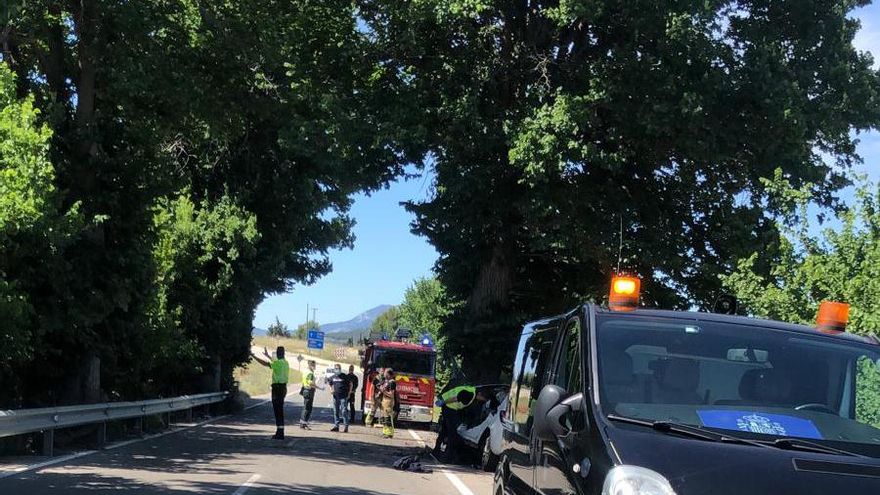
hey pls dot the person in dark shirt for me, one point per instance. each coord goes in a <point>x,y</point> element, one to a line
<point>341,392</point>
<point>353,380</point>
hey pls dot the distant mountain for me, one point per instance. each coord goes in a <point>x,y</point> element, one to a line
<point>359,322</point>
<point>259,331</point>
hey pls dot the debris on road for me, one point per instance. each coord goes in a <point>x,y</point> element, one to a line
<point>411,463</point>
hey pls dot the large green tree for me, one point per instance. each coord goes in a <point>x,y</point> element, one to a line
<point>33,226</point>
<point>425,308</point>
<point>212,149</point>
<point>556,128</point>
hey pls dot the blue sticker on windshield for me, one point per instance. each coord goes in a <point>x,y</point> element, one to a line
<point>768,424</point>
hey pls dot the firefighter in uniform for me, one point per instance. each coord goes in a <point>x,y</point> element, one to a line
<point>375,399</point>
<point>388,395</point>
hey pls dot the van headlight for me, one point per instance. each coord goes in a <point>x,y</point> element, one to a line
<point>634,480</point>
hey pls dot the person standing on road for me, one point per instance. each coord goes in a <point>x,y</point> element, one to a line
<point>353,379</point>
<point>375,397</point>
<point>341,392</point>
<point>388,394</point>
<point>280,374</point>
<point>308,392</point>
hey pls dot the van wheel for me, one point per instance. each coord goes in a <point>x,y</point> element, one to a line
<point>488,459</point>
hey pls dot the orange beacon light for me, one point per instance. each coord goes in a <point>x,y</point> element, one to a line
<point>832,317</point>
<point>624,293</point>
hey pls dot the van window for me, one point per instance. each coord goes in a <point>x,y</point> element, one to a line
<point>868,391</point>
<point>568,369</point>
<point>536,349</point>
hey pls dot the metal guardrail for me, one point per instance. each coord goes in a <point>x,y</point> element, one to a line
<point>23,421</point>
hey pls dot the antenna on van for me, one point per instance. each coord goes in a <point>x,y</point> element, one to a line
<point>620,245</point>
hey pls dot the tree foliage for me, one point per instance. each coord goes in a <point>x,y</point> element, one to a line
<point>839,263</point>
<point>556,128</point>
<point>34,225</point>
<point>386,323</point>
<point>302,330</point>
<point>424,310</point>
<point>210,149</point>
<point>278,329</point>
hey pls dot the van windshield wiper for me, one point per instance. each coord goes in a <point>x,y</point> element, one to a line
<point>686,430</point>
<point>807,446</point>
<point>701,434</point>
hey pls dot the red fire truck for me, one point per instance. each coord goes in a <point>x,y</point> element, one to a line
<point>413,365</point>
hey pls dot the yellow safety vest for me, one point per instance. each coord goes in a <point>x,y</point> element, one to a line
<point>309,380</point>
<point>280,371</point>
<point>453,394</point>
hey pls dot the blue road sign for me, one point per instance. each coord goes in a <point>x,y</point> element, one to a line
<point>316,340</point>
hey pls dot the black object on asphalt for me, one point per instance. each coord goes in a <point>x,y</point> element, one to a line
<point>411,463</point>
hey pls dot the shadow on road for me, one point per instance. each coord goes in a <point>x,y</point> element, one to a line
<point>218,458</point>
<point>70,483</point>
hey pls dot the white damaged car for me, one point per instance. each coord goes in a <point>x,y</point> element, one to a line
<point>484,433</point>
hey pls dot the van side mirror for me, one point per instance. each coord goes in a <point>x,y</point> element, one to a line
<point>552,412</point>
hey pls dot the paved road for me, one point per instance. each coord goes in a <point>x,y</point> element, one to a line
<point>235,455</point>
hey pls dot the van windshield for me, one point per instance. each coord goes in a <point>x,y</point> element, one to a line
<point>748,378</point>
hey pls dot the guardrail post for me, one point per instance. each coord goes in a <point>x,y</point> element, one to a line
<point>189,415</point>
<point>101,436</point>
<point>48,443</point>
<point>167,418</point>
<point>139,426</point>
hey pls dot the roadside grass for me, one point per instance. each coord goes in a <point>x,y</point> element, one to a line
<point>255,379</point>
<point>295,346</point>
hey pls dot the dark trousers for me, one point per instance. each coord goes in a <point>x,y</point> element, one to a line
<point>351,408</point>
<point>308,401</point>
<point>448,430</point>
<point>279,392</point>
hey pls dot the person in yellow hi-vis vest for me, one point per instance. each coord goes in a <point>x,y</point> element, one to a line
<point>280,375</point>
<point>308,392</point>
<point>453,402</point>
<point>388,396</point>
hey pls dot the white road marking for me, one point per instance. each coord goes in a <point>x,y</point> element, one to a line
<point>417,438</point>
<point>457,483</point>
<point>455,480</point>
<point>57,460</point>
<point>247,485</point>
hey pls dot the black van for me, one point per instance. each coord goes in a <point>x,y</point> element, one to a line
<point>648,402</point>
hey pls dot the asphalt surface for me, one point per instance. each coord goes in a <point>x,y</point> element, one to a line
<point>235,455</point>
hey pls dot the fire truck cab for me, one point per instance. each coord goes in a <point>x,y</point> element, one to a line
<point>413,365</point>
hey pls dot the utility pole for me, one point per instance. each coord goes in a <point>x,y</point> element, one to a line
<point>307,316</point>
<point>314,316</point>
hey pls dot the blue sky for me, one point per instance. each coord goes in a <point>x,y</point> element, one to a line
<point>385,260</point>
<point>387,257</point>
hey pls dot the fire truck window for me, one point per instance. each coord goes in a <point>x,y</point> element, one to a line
<point>414,363</point>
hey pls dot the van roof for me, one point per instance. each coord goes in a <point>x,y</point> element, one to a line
<point>738,320</point>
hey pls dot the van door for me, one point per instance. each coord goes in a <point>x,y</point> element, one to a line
<point>553,474</point>
<point>531,370</point>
